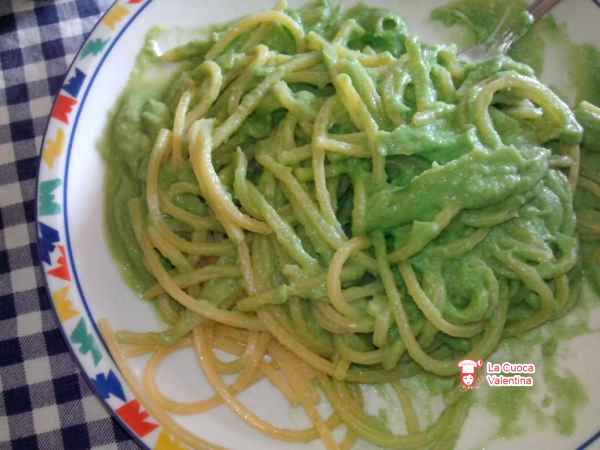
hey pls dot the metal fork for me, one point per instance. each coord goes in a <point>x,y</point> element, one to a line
<point>503,38</point>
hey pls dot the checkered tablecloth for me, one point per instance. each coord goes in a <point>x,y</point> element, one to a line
<point>45,402</point>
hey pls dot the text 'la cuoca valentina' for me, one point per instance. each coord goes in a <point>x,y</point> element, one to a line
<point>510,374</point>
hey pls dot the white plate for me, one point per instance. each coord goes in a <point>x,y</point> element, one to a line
<point>84,280</point>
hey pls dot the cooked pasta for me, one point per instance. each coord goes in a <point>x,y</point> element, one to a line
<point>334,202</point>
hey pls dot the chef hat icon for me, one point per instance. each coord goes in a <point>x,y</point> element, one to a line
<point>468,366</point>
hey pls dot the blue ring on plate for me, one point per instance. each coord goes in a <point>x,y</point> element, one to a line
<point>137,438</point>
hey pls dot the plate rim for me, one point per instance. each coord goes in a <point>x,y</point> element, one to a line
<point>82,363</point>
<point>127,12</point>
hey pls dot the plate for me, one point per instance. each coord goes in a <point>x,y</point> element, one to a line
<point>85,283</point>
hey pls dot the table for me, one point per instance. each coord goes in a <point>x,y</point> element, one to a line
<point>45,402</point>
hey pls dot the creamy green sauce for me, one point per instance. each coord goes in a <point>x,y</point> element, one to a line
<point>478,19</point>
<point>571,394</point>
<point>585,72</point>
<point>125,146</point>
<point>501,400</point>
<point>564,394</point>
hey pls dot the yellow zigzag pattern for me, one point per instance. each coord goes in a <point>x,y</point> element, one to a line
<point>64,306</point>
<point>54,148</point>
<point>166,442</point>
<point>115,15</point>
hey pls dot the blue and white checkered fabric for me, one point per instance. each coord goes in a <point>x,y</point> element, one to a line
<point>44,403</point>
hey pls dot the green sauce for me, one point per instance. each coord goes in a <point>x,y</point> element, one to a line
<point>478,19</point>
<point>125,147</point>
<point>509,405</point>
<point>564,393</point>
<point>569,394</point>
<point>585,72</point>
<point>474,180</point>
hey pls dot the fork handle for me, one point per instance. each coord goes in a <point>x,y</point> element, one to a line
<point>541,7</point>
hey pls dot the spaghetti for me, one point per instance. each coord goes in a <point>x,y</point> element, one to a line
<point>333,202</point>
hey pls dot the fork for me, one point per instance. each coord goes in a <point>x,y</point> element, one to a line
<point>501,39</point>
